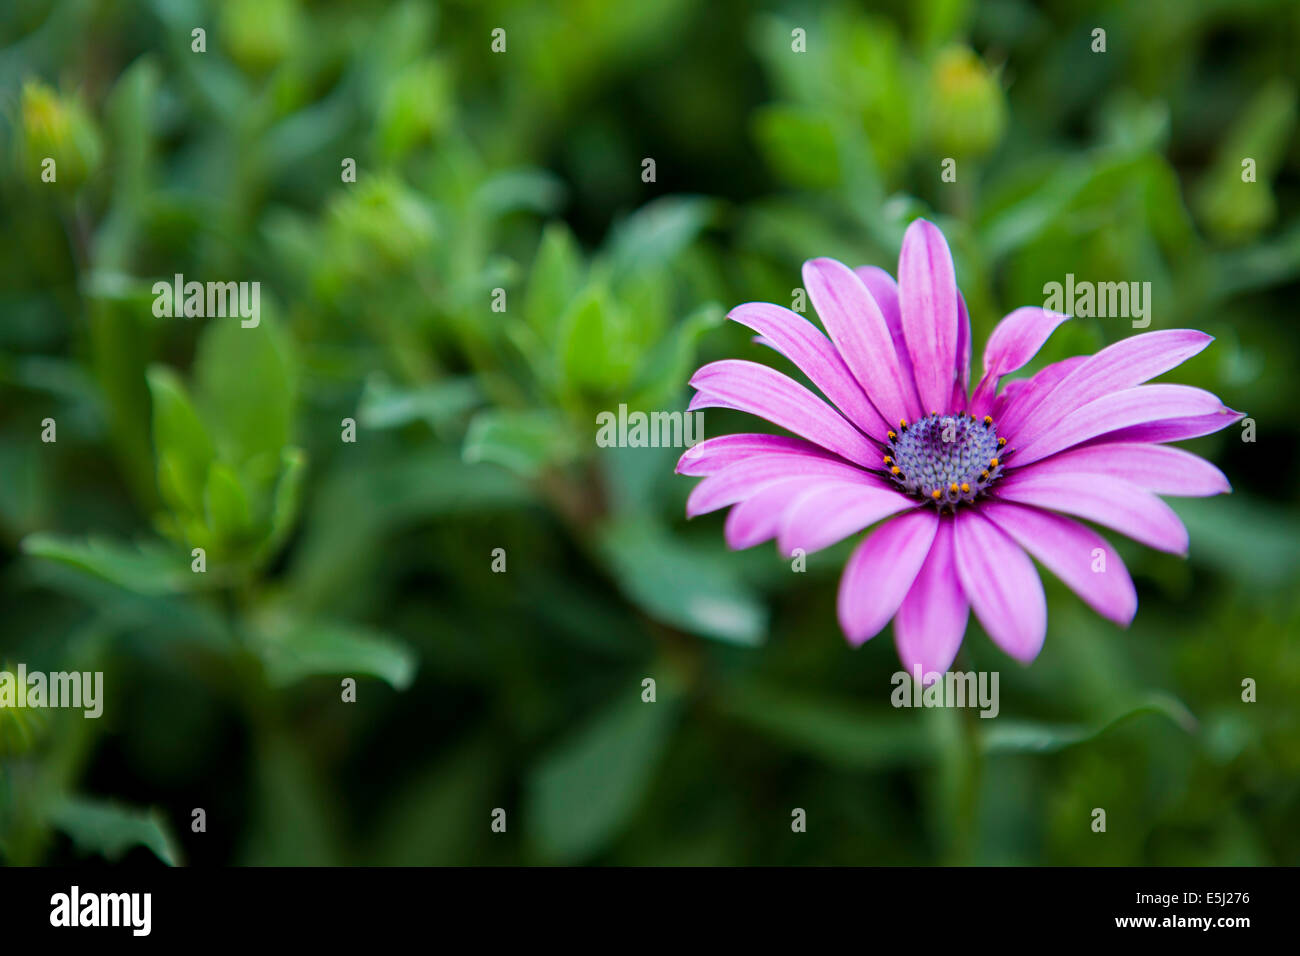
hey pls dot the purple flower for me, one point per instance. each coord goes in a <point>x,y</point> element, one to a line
<point>965,486</point>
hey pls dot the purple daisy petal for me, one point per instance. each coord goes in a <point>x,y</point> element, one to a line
<point>1108,501</point>
<point>856,326</point>
<point>1132,406</point>
<point>1001,584</point>
<point>927,298</point>
<point>1071,552</point>
<point>1015,340</point>
<point>884,290</point>
<point>1157,468</point>
<point>931,621</point>
<point>961,388</point>
<point>714,454</point>
<point>738,481</point>
<point>1173,429</point>
<point>812,353</point>
<point>765,392</point>
<point>758,518</point>
<point>1117,367</point>
<point>1021,395</point>
<point>831,512</point>
<point>881,571</point>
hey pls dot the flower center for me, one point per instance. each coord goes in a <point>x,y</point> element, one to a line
<point>945,458</point>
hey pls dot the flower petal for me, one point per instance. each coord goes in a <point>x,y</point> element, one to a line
<point>881,571</point>
<point>812,353</point>
<point>1001,584</point>
<point>1157,468</point>
<point>714,454</point>
<point>1132,406</point>
<point>931,621</point>
<point>1072,553</point>
<point>758,517</point>
<point>858,329</point>
<point>1123,365</point>
<point>1108,501</point>
<point>765,392</point>
<point>927,298</point>
<point>884,290</point>
<point>1173,429</point>
<point>964,346</point>
<point>831,512</point>
<point>1020,395</point>
<point>1014,342</point>
<point>738,481</point>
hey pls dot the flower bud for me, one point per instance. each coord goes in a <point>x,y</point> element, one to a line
<point>967,111</point>
<point>259,34</point>
<point>58,129</point>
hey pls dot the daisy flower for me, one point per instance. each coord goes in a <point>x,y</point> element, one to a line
<point>963,486</point>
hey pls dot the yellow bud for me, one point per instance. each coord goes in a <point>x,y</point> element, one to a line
<point>968,111</point>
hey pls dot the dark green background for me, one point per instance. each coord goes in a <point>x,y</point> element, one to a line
<point>475,429</point>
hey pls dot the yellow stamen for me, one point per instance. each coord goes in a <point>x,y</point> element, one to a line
<point>893,435</point>
<point>953,487</point>
<point>1001,442</point>
<point>936,494</point>
<point>965,488</point>
<point>984,475</point>
<point>902,423</point>
<point>993,462</point>
<point>988,419</point>
<point>895,470</point>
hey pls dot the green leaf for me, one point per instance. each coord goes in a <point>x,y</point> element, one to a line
<point>799,144</point>
<point>1023,736</point>
<point>418,104</point>
<point>384,405</point>
<point>555,279</point>
<point>111,830</point>
<point>523,441</point>
<point>1249,541</point>
<point>244,385</point>
<point>521,190</point>
<point>587,788</point>
<point>676,584</point>
<point>228,512</point>
<point>147,568</point>
<point>658,232</point>
<point>294,649</point>
<point>855,737</point>
<point>181,442</point>
<point>670,363</point>
<point>287,501</point>
<point>593,352</point>
<point>1257,266</point>
<point>841,734</point>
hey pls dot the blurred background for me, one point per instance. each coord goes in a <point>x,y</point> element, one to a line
<point>522,170</point>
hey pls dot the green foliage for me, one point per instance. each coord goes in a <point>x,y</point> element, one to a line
<point>498,275</point>
<point>107,830</point>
